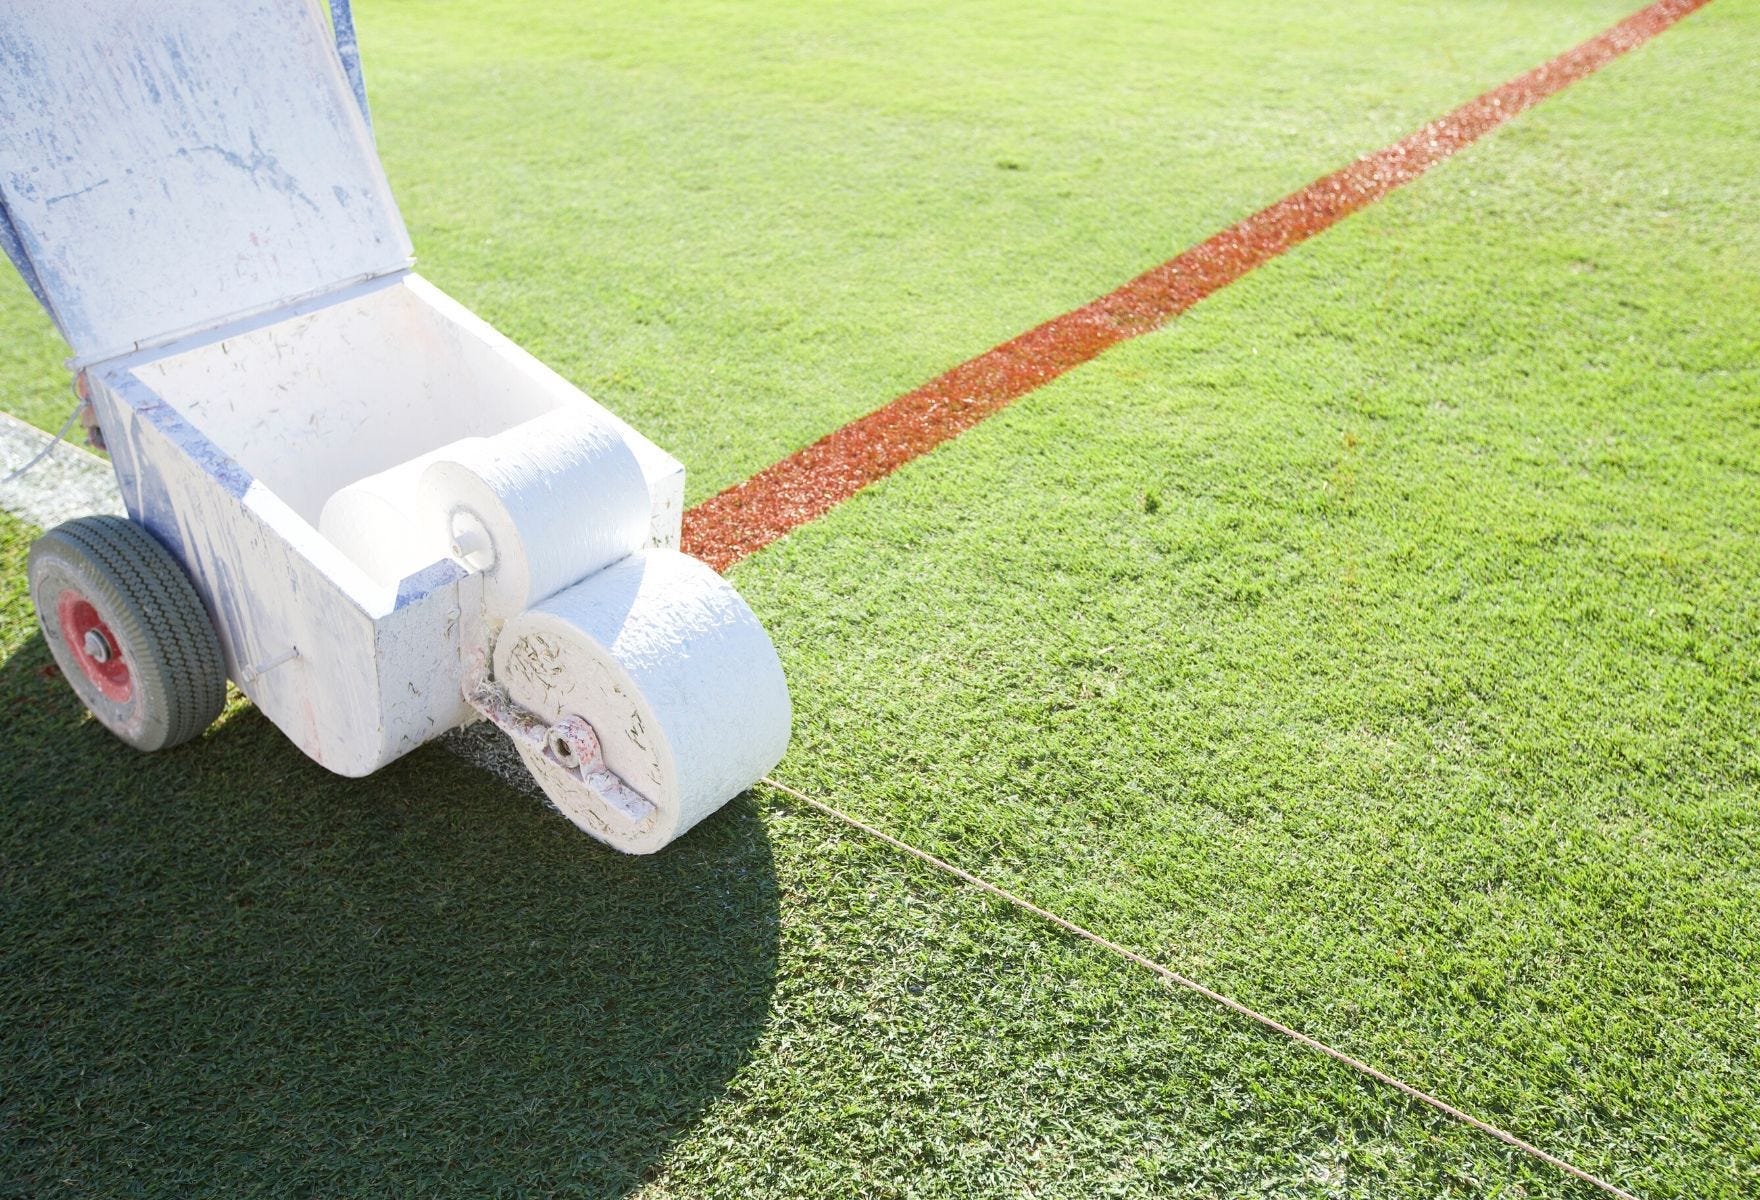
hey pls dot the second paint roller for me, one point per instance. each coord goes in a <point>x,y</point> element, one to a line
<point>538,507</point>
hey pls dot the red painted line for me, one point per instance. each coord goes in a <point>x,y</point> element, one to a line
<point>748,516</point>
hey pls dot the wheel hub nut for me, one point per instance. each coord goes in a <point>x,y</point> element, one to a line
<point>97,646</point>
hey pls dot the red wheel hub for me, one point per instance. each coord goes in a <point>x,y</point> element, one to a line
<point>93,646</point>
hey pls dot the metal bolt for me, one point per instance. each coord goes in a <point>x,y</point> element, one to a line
<point>562,750</point>
<point>97,646</point>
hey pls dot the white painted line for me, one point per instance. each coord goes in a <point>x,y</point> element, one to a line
<point>488,749</point>
<point>69,482</point>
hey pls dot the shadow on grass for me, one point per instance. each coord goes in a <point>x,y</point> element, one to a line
<point>226,971</point>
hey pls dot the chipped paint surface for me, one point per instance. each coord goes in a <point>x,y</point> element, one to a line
<point>168,166</point>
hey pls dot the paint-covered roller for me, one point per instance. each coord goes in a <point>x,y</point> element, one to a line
<point>379,523</point>
<point>538,506</point>
<point>660,658</point>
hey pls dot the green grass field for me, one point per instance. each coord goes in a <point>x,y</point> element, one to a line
<point>1379,644</point>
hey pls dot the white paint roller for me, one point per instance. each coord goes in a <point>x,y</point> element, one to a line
<point>378,521</point>
<point>664,660</point>
<point>538,506</point>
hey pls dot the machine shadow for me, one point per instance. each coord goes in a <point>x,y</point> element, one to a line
<point>228,970</point>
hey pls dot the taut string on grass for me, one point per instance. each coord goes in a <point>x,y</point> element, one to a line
<point>1175,979</point>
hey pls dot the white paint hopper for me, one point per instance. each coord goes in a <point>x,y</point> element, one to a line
<point>368,488</point>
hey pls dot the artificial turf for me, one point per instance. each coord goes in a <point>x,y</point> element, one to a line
<point>1377,643</point>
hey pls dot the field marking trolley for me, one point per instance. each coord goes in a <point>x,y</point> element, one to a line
<point>378,516</point>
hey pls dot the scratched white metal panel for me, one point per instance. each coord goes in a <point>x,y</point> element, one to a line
<point>174,164</point>
<point>353,673</point>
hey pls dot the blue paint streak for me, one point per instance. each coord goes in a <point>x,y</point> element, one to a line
<point>14,247</point>
<point>214,462</point>
<point>429,579</point>
<point>349,51</point>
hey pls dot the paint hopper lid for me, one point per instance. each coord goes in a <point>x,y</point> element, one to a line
<point>174,165</point>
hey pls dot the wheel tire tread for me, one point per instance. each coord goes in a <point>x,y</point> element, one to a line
<point>166,613</point>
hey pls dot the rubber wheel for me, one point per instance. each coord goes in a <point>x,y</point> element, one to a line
<point>128,631</point>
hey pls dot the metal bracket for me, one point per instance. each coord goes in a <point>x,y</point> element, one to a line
<point>570,745</point>
<point>251,672</point>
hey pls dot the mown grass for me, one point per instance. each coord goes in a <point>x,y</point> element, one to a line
<point>1379,643</point>
<point>1376,643</point>
<point>226,972</point>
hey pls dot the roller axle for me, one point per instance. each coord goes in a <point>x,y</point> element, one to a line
<point>569,743</point>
